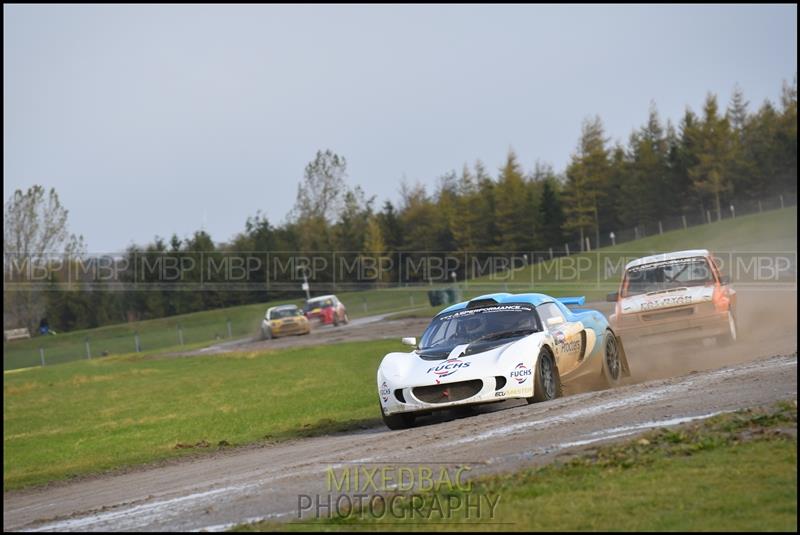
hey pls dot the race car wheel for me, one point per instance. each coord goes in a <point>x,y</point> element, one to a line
<point>266,333</point>
<point>612,365</point>
<point>398,421</point>
<point>546,382</point>
<point>732,334</point>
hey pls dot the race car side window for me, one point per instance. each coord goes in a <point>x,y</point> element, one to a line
<point>547,311</point>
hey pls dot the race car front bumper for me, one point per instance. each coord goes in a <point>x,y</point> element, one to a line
<point>431,397</point>
<point>671,325</point>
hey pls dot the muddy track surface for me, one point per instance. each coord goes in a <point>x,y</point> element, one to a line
<point>218,491</point>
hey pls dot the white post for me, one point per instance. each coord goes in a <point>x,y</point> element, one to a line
<point>551,253</point>
<point>88,350</point>
<point>588,244</point>
<point>566,248</point>
<point>759,206</point>
<point>41,355</point>
<point>781,196</point>
<point>660,227</point>
<point>683,217</point>
<point>733,212</point>
<point>230,331</point>
<point>708,215</point>
<point>613,238</point>
<point>636,232</point>
<point>364,302</point>
<point>137,342</point>
<point>180,334</point>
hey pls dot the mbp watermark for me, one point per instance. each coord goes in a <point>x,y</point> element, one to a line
<point>399,492</point>
<point>340,271</point>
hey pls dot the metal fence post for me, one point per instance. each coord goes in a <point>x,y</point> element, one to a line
<point>364,302</point>
<point>708,215</point>
<point>137,342</point>
<point>683,217</point>
<point>41,355</point>
<point>660,227</point>
<point>180,334</point>
<point>566,248</point>
<point>551,253</point>
<point>230,330</point>
<point>88,350</point>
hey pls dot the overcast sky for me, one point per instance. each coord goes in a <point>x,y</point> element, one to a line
<point>150,120</point>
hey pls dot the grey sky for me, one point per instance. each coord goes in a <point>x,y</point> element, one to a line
<point>152,120</point>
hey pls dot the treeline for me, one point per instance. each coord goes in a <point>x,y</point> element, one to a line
<point>664,170</point>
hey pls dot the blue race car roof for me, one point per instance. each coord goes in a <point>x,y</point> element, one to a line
<point>499,298</point>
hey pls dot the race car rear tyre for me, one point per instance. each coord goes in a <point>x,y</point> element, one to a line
<point>398,421</point>
<point>612,364</point>
<point>729,338</point>
<point>546,381</point>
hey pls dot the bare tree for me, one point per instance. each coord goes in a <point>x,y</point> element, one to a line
<point>319,195</point>
<point>34,230</point>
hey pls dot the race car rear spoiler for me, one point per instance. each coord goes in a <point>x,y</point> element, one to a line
<point>572,300</point>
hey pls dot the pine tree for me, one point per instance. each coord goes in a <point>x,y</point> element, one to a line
<point>515,218</point>
<point>551,215</point>
<point>587,181</point>
<point>711,174</point>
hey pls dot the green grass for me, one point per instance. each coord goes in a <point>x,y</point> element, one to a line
<point>583,274</point>
<point>736,472</point>
<point>90,416</point>
<point>199,328</point>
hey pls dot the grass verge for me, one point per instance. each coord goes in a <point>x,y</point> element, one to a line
<point>85,417</point>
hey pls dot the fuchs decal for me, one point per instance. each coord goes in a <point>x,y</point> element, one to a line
<point>447,368</point>
<point>520,373</point>
<point>385,391</point>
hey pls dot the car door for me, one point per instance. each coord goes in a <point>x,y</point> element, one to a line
<point>569,338</point>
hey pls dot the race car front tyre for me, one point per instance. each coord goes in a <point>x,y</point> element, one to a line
<point>612,364</point>
<point>266,333</point>
<point>546,381</point>
<point>398,421</point>
<point>729,338</point>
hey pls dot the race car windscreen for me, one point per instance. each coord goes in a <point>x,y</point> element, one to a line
<point>667,275</point>
<point>284,313</point>
<point>317,303</point>
<point>485,324</point>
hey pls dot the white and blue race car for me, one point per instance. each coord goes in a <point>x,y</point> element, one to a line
<point>498,347</point>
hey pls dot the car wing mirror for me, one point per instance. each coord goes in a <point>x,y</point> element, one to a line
<point>409,341</point>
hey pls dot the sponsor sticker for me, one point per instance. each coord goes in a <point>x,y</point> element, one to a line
<point>385,391</point>
<point>667,302</point>
<point>448,367</point>
<point>521,373</point>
